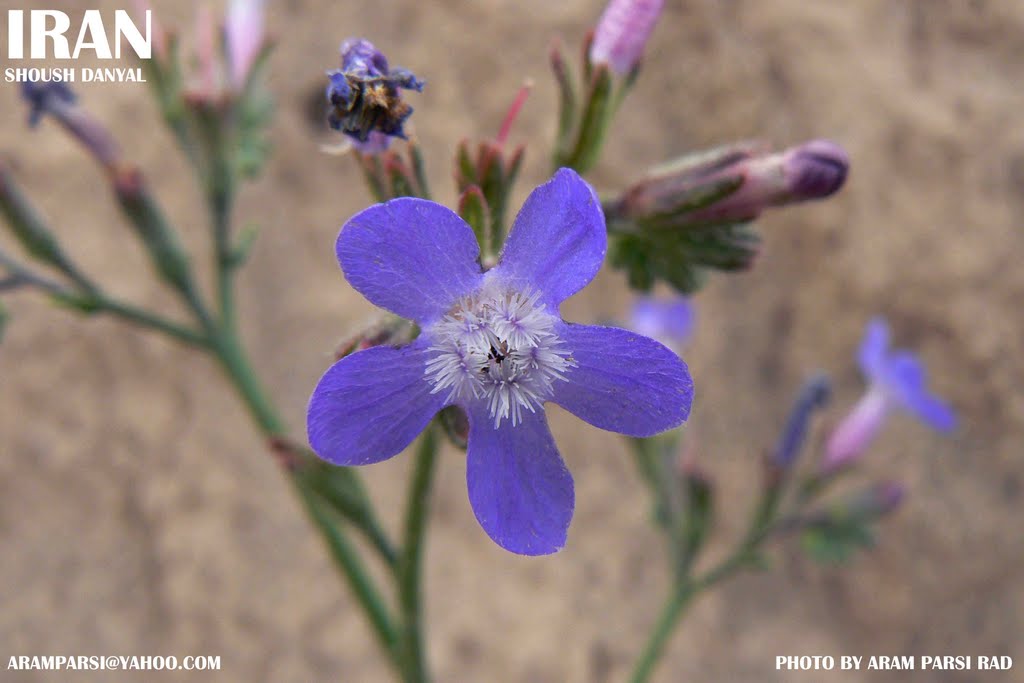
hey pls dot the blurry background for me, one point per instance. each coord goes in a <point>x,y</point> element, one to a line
<point>140,513</point>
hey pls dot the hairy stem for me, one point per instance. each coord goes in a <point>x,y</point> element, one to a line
<point>410,564</point>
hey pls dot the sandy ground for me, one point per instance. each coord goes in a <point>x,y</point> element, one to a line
<point>140,514</point>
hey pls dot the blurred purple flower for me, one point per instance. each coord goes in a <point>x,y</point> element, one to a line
<point>53,97</point>
<point>57,100</point>
<point>670,321</point>
<point>493,344</point>
<point>243,33</point>
<point>622,33</point>
<point>896,379</point>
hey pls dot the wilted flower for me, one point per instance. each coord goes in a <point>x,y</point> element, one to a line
<point>895,380</point>
<point>622,33</point>
<point>364,95</point>
<point>493,344</point>
<point>670,321</point>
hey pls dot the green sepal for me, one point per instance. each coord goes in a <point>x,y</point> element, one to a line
<point>165,251</point>
<point>30,230</point>
<point>473,209</point>
<point>246,240</point>
<point>373,175</point>
<point>594,123</point>
<point>836,540</point>
<point>567,105</point>
<point>399,176</point>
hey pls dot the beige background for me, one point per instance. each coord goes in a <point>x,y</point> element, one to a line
<point>140,513</point>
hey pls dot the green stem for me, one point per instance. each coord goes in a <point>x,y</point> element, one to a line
<point>347,559</point>
<point>232,357</point>
<point>682,597</point>
<point>664,628</point>
<point>410,564</point>
<point>745,555</point>
<point>140,316</point>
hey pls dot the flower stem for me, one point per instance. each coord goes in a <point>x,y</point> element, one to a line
<point>682,596</point>
<point>347,559</point>
<point>688,588</point>
<point>410,564</point>
<point>232,357</point>
<point>141,316</point>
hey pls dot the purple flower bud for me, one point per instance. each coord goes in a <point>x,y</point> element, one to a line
<point>364,94</point>
<point>813,396</point>
<point>243,33</point>
<point>732,184</point>
<point>816,169</point>
<point>622,33</point>
<point>877,500</point>
<point>813,170</point>
<point>896,379</point>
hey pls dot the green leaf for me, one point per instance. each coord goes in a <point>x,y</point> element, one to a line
<point>681,257</point>
<point>3,321</point>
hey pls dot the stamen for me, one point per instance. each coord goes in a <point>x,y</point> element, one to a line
<point>498,347</point>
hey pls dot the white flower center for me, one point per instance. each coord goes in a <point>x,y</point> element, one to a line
<point>499,347</point>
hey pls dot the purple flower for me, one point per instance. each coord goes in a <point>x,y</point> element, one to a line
<point>670,321</point>
<point>51,97</point>
<point>494,344</point>
<point>622,33</point>
<point>895,380</point>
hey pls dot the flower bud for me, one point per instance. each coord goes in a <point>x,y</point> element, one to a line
<point>813,396</point>
<point>622,33</point>
<point>733,184</point>
<point>243,34</point>
<point>876,501</point>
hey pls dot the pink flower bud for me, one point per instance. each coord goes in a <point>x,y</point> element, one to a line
<point>243,31</point>
<point>622,33</point>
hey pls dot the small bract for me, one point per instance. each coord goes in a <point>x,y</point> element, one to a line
<point>492,343</point>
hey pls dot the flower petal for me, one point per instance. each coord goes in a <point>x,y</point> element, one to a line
<point>558,241</point>
<point>411,256</point>
<point>520,489</point>
<point>371,405</point>
<point>623,382</point>
<point>907,380</point>
<point>871,354</point>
